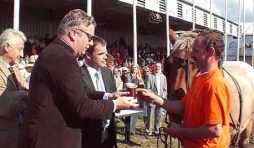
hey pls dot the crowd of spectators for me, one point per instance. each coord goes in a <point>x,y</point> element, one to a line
<point>145,54</point>
<point>121,52</point>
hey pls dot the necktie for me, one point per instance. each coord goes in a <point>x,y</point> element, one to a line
<point>100,87</point>
<point>14,77</point>
<point>20,118</point>
<point>99,82</point>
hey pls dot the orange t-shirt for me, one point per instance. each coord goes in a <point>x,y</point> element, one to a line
<point>207,103</point>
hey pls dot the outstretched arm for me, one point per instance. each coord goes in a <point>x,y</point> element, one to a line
<point>171,106</point>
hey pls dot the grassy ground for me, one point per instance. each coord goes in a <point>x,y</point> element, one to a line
<point>139,137</point>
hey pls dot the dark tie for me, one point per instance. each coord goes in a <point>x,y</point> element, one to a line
<point>14,77</point>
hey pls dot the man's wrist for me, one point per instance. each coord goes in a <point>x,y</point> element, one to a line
<point>159,101</point>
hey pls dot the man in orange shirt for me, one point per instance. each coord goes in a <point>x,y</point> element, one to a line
<point>206,106</point>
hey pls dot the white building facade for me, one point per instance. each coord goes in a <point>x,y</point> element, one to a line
<point>247,47</point>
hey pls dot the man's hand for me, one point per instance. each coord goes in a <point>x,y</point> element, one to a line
<point>19,95</point>
<point>175,130</point>
<point>117,94</point>
<point>148,96</point>
<point>126,102</point>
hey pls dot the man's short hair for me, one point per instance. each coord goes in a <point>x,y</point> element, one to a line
<point>96,41</point>
<point>75,19</point>
<point>146,68</point>
<point>213,38</point>
<point>9,34</point>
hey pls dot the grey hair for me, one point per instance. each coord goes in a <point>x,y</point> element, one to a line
<point>9,34</point>
<point>75,19</point>
<point>185,41</point>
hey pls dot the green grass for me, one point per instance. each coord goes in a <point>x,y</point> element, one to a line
<point>139,137</point>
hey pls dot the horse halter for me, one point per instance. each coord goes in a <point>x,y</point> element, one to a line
<point>184,63</point>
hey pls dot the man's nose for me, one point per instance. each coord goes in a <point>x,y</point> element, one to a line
<point>21,53</point>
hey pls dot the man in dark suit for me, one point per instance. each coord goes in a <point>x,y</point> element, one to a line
<point>95,133</point>
<point>57,98</point>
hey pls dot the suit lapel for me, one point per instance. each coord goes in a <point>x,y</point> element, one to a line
<point>8,75</point>
<point>105,78</point>
<point>162,83</point>
<point>87,80</point>
<point>155,83</point>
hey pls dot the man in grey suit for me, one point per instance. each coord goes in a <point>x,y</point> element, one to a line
<point>97,133</point>
<point>157,83</point>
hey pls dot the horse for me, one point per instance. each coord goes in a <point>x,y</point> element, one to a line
<point>180,70</point>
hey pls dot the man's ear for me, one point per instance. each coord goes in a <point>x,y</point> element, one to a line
<point>212,51</point>
<point>72,35</point>
<point>6,49</point>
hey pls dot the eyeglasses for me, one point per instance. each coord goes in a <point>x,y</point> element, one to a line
<point>89,36</point>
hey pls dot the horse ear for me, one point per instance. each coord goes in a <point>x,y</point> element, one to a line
<point>172,36</point>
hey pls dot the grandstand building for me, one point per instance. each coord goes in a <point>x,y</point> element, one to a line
<point>115,19</point>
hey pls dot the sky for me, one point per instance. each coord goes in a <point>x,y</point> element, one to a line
<point>218,7</point>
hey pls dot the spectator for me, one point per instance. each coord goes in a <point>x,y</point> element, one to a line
<point>118,80</point>
<point>156,83</point>
<point>135,78</point>
<point>119,59</point>
<point>122,43</point>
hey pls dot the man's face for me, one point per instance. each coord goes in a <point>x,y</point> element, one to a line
<point>157,68</point>
<point>85,40</point>
<point>133,68</point>
<point>99,56</point>
<point>14,49</point>
<point>116,71</point>
<point>199,53</point>
<point>146,72</point>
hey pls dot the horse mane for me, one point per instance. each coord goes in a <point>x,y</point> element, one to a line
<point>184,42</point>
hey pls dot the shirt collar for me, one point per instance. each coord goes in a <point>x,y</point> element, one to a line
<point>4,62</point>
<point>92,70</point>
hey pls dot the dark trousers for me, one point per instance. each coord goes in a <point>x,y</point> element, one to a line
<point>91,140</point>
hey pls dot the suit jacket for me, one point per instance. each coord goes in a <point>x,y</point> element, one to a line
<point>58,101</point>
<point>9,108</point>
<point>152,85</point>
<point>92,128</point>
